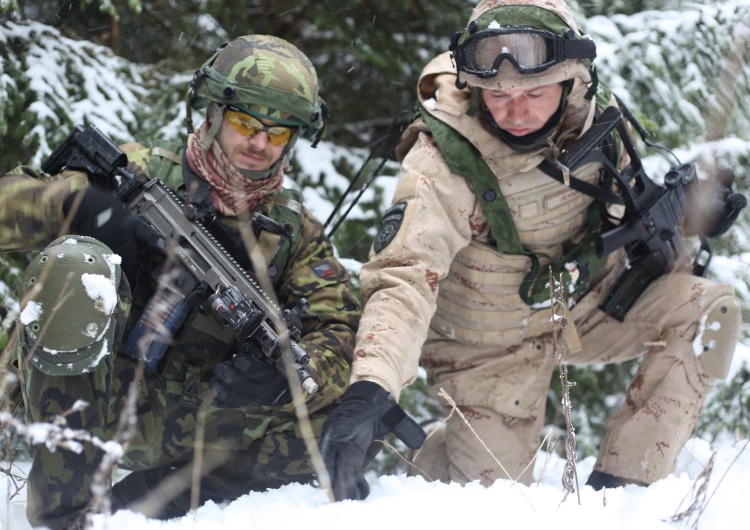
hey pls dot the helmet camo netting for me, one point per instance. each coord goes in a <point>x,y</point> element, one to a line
<point>264,76</point>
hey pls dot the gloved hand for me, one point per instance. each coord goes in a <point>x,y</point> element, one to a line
<point>102,216</point>
<point>247,381</point>
<point>716,206</point>
<point>365,413</point>
<point>733,204</point>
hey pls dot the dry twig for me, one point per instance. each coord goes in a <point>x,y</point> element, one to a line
<point>560,322</point>
<point>298,399</point>
<point>700,486</point>
<point>698,494</point>
<point>442,393</point>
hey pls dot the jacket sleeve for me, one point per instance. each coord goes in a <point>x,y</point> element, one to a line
<point>400,282</point>
<point>31,213</point>
<point>330,324</point>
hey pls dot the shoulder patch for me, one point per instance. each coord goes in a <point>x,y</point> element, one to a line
<point>324,270</point>
<point>392,220</point>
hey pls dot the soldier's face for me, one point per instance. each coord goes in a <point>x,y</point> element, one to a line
<point>522,111</point>
<point>255,153</point>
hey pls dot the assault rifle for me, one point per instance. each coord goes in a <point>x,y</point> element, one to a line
<point>200,270</point>
<point>649,229</point>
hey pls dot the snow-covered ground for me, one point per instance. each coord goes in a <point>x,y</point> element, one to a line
<point>718,499</point>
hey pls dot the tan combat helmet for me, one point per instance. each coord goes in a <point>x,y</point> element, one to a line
<point>521,44</point>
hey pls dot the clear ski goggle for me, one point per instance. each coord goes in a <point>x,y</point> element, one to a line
<point>530,50</point>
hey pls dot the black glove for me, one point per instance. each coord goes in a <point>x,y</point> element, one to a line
<point>247,381</point>
<point>733,204</point>
<point>716,207</point>
<point>365,413</point>
<point>107,219</point>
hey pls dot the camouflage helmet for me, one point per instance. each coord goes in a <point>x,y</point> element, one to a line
<point>565,53</point>
<point>264,76</point>
<point>69,297</point>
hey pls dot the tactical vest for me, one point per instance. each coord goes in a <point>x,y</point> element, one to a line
<point>202,341</point>
<point>465,160</point>
<point>497,293</point>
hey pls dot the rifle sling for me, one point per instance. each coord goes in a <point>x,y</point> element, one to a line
<point>473,168</point>
<point>464,159</point>
<point>592,190</point>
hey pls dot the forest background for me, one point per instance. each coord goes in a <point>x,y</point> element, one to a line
<point>123,65</point>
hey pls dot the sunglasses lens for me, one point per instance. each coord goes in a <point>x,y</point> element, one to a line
<point>250,126</point>
<point>279,135</point>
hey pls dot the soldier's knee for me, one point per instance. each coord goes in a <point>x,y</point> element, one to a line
<point>717,336</point>
<point>69,298</point>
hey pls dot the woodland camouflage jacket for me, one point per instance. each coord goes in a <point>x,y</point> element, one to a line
<point>31,217</point>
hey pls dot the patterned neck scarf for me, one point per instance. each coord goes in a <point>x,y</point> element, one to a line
<point>231,192</point>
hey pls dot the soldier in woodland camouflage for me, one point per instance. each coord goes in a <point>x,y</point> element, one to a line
<point>450,282</point>
<point>84,292</point>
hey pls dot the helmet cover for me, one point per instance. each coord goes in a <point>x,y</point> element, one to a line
<point>264,76</point>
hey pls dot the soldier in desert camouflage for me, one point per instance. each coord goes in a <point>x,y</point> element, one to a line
<point>260,94</point>
<point>450,281</point>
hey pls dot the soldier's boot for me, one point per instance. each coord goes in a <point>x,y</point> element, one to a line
<point>159,493</point>
<point>599,480</point>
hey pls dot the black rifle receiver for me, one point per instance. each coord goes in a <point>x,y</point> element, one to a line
<point>203,265</point>
<point>87,149</point>
<point>649,228</point>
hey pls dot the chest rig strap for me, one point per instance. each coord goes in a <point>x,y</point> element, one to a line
<point>464,159</point>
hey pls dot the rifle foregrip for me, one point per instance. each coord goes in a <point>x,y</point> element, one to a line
<point>615,238</point>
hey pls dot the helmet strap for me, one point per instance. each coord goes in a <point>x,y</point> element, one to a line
<point>192,94</point>
<point>215,114</point>
<point>594,86</point>
<point>532,140</point>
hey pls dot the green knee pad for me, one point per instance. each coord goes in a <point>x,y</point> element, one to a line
<point>69,298</point>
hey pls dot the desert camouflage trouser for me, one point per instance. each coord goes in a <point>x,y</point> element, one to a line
<point>242,449</point>
<point>502,390</point>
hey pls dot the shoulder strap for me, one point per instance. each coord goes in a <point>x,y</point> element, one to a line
<point>464,159</point>
<point>592,190</point>
<point>198,194</point>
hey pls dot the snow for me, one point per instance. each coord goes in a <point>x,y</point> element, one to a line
<point>398,501</point>
<point>99,287</point>
<point>32,312</point>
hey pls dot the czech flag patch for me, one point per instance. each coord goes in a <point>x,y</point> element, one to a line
<point>324,270</point>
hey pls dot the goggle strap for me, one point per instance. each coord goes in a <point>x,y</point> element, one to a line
<point>577,49</point>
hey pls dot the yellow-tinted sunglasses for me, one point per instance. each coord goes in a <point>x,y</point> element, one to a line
<point>249,126</point>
